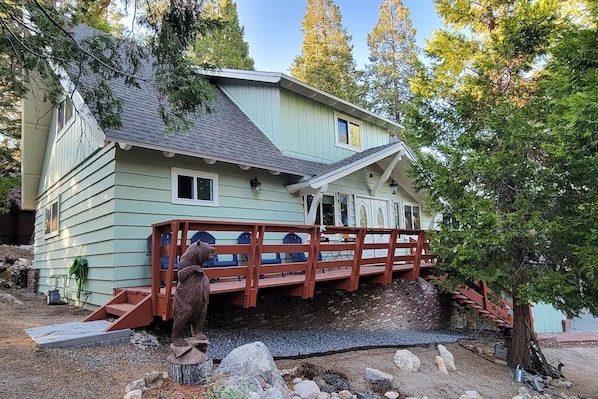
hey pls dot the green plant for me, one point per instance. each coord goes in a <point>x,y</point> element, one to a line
<point>79,270</point>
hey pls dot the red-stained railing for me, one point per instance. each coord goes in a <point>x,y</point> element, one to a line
<point>338,256</point>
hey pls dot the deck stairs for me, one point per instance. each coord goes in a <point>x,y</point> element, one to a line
<point>127,309</point>
<point>476,297</point>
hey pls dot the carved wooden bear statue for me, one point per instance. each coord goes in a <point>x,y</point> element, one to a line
<point>192,293</point>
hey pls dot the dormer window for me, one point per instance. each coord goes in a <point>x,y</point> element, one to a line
<point>64,115</point>
<point>348,132</point>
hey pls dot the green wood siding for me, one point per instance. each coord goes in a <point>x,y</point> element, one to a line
<point>142,196</point>
<point>299,126</point>
<point>261,103</point>
<point>86,228</point>
<point>66,150</point>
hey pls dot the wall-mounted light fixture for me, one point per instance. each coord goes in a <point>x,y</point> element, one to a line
<point>394,186</point>
<point>255,184</point>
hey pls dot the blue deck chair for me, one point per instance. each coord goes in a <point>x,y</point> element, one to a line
<point>293,238</point>
<point>206,237</point>
<point>166,240</point>
<point>245,238</point>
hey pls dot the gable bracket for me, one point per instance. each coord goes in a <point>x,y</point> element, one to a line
<point>386,174</point>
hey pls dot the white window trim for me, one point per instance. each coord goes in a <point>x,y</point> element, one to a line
<point>349,119</point>
<point>68,122</point>
<point>175,172</point>
<point>49,204</point>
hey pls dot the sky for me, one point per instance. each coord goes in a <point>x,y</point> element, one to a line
<point>273,27</point>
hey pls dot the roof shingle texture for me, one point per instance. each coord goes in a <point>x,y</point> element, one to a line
<point>226,134</point>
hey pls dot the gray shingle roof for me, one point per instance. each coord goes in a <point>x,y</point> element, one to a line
<point>226,134</point>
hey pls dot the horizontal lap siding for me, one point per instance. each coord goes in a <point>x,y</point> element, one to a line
<point>143,197</point>
<point>86,228</point>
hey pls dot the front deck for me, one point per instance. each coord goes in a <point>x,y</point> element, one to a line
<point>338,256</point>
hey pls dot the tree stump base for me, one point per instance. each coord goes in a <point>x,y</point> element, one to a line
<point>191,374</point>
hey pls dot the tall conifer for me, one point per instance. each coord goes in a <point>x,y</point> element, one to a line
<point>223,46</point>
<point>326,60</point>
<point>393,58</point>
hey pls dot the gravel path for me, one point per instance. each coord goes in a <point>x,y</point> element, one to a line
<point>290,344</point>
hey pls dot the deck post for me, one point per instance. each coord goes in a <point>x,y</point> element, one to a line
<point>173,252</point>
<point>254,264</point>
<point>417,256</point>
<point>155,268</point>
<point>390,257</point>
<point>359,242</point>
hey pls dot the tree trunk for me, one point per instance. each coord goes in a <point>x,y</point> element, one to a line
<point>519,352</point>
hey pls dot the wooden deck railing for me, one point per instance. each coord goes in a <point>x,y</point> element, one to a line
<point>339,256</point>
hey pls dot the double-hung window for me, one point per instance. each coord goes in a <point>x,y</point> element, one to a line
<point>64,114</point>
<point>412,217</point>
<point>194,188</point>
<point>348,132</point>
<point>51,219</point>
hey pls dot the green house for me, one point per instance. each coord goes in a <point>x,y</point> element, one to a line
<point>273,149</point>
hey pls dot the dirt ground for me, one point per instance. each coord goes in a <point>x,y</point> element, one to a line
<point>27,372</point>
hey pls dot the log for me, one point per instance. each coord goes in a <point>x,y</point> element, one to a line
<point>191,374</point>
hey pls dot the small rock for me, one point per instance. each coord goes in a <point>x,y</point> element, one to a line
<point>7,298</point>
<point>447,356</point>
<point>374,375</point>
<point>273,393</point>
<point>323,395</point>
<point>345,394</point>
<point>405,360</point>
<point>153,379</point>
<point>137,385</point>
<point>135,394</point>
<point>391,395</point>
<point>441,365</point>
<point>471,395</point>
<point>297,380</point>
<point>307,389</point>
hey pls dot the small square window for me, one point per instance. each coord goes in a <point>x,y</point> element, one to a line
<point>194,188</point>
<point>348,132</point>
<point>51,219</point>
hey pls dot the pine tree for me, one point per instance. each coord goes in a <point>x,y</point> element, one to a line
<point>486,167</point>
<point>393,60</point>
<point>326,61</point>
<point>224,45</point>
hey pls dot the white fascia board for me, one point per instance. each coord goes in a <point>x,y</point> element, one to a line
<point>345,170</point>
<point>255,76</point>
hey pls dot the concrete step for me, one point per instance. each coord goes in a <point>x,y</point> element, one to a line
<point>90,333</point>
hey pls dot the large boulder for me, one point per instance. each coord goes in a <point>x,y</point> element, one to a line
<point>252,360</point>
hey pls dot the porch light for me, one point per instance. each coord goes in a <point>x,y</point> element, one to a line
<point>255,184</point>
<point>394,186</point>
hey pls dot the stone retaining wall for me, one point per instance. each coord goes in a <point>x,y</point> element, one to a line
<point>401,305</point>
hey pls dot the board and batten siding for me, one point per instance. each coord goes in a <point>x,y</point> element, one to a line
<point>261,103</point>
<point>68,148</point>
<point>86,228</point>
<point>309,130</point>
<point>143,196</point>
<point>297,125</point>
